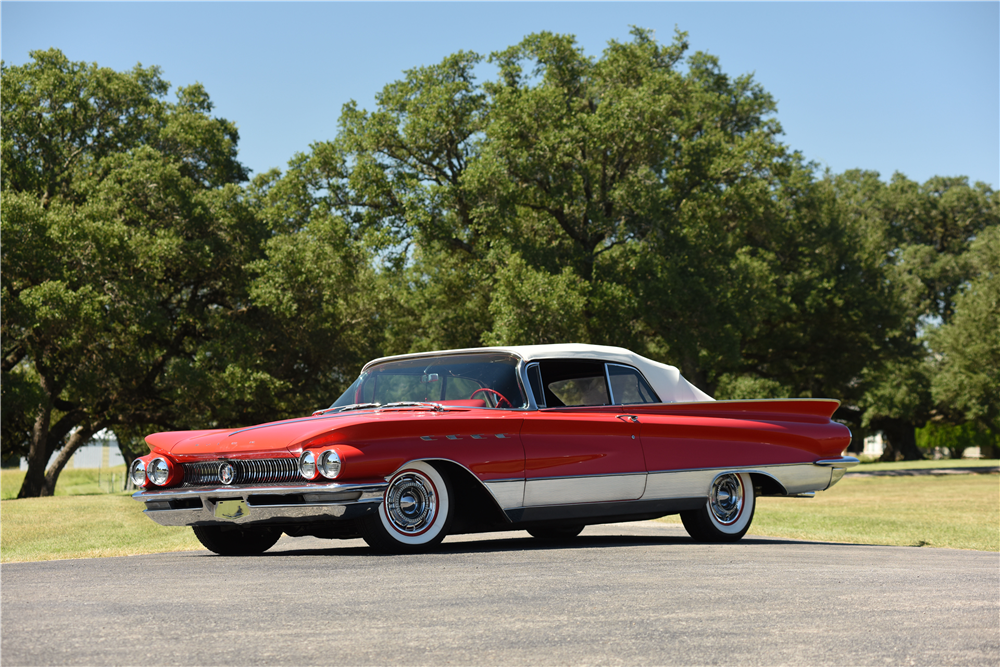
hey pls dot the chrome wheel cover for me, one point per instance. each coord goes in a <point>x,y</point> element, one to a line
<point>410,503</point>
<point>725,500</point>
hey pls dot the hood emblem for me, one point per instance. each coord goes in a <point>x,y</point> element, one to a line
<point>226,472</point>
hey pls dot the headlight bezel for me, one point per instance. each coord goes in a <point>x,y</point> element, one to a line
<point>330,464</point>
<point>138,467</point>
<point>307,465</point>
<point>157,467</point>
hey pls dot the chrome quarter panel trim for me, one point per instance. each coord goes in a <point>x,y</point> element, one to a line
<point>683,484</point>
<point>508,493</point>
<point>842,462</point>
<point>798,478</point>
<point>591,513</point>
<point>596,488</point>
<point>795,478</point>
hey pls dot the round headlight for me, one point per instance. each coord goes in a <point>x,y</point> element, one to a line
<point>137,471</point>
<point>158,471</point>
<point>307,465</point>
<point>329,464</point>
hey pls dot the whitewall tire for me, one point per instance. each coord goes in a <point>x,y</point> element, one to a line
<point>728,511</point>
<point>415,511</point>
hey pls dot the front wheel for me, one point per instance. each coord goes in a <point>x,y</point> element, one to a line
<point>414,514</point>
<point>728,512</point>
<point>236,541</point>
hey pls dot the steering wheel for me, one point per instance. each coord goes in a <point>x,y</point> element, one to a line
<point>499,396</point>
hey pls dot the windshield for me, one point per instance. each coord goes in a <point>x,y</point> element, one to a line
<point>486,380</point>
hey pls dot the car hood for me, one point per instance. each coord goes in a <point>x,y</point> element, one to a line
<point>277,438</point>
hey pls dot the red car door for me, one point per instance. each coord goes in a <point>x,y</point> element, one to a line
<point>580,455</point>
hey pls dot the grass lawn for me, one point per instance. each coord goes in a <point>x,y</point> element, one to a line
<point>71,482</point>
<point>84,527</point>
<point>954,511</point>
<point>927,465</point>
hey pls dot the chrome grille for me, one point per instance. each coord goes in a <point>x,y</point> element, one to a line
<point>245,471</point>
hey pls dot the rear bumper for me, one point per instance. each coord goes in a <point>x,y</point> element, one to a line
<point>274,504</point>
<point>838,467</point>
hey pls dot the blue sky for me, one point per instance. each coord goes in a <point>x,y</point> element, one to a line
<point>909,87</point>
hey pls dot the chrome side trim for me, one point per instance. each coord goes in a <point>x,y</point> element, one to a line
<point>607,378</point>
<point>768,466</point>
<point>522,372</point>
<point>593,488</point>
<point>842,462</point>
<point>839,466</point>
<point>794,478</point>
<point>509,494</point>
<point>685,484</point>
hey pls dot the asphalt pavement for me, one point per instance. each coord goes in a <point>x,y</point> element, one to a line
<point>622,594</point>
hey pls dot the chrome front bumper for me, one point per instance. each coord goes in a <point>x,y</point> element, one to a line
<point>260,504</point>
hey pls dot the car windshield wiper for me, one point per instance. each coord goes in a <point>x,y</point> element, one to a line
<point>370,406</point>
<point>342,408</point>
<point>414,404</point>
<point>357,406</point>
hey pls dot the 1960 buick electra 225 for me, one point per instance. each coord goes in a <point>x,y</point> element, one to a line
<point>546,439</point>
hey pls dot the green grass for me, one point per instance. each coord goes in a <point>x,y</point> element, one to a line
<point>953,511</point>
<point>72,481</point>
<point>34,529</point>
<point>928,465</point>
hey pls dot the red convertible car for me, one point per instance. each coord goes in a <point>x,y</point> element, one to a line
<point>546,438</point>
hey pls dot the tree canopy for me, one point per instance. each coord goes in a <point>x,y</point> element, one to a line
<point>642,198</point>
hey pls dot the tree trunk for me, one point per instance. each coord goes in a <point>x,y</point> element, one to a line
<point>900,438</point>
<point>33,485</point>
<point>79,438</point>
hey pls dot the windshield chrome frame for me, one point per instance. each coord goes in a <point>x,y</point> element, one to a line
<point>519,374</point>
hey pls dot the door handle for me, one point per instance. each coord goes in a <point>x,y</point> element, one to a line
<point>629,418</point>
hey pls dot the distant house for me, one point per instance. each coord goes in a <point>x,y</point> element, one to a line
<point>874,445</point>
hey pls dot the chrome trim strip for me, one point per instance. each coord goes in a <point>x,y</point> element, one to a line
<point>842,462</point>
<point>769,465</point>
<point>612,474</point>
<point>607,378</point>
<point>509,494</point>
<point>533,402</point>
<point>584,489</point>
<point>794,479</point>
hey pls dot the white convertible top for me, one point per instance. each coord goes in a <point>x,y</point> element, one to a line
<point>667,381</point>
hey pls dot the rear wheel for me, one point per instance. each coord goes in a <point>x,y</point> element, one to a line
<point>728,512</point>
<point>414,514</point>
<point>236,540</point>
<point>556,532</point>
